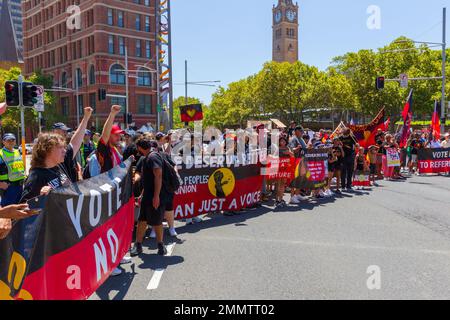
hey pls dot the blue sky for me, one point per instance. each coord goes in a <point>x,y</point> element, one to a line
<point>229,40</point>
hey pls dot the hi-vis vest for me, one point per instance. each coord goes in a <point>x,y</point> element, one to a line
<point>14,163</point>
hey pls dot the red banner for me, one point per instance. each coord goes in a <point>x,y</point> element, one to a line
<point>208,190</point>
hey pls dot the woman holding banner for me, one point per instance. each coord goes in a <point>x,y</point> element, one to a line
<point>387,146</point>
<point>285,155</point>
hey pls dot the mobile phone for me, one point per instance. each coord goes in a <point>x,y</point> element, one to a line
<point>37,205</point>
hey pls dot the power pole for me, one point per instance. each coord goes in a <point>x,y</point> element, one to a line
<point>22,121</point>
<point>126,86</point>
<point>444,59</point>
<point>185,83</point>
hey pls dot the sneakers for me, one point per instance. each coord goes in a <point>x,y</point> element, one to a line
<point>301,198</point>
<point>162,251</point>
<point>153,234</point>
<point>116,272</point>
<point>375,184</point>
<point>228,214</point>
<point>189,222</point>
<point>197,219</point>
<point>173,232</point>
<point>125,260</point>
<point>137,250</point>
<point>338,191</point>
<point>294,200</point>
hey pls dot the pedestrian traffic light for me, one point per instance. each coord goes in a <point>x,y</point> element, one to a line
<point>12,93</point>
<point>101,94</point>
<point>380,83</point>
<point>29,94</point>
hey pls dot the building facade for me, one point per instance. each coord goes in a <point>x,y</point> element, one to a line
<point>11,36</point>
<point>285,32</point>
<point>92,55</point>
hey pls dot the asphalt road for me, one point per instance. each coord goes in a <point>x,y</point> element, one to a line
<point>317,250</point>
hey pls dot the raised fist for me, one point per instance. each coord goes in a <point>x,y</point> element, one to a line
<point>115,109</point>
<point>88,111</point>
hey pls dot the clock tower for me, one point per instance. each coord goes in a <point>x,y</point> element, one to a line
<point>285,32</point>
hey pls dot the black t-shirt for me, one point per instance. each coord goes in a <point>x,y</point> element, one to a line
<point>129,151</point>
<point>152,161</point>
<point>348,144</point>
<point>70,164</point>
<point>40,177</point>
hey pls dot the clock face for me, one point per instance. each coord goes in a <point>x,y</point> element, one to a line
<point>278,16</point>
<point>290,15</point>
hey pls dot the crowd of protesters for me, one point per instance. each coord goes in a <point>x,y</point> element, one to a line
<point>61,158</point>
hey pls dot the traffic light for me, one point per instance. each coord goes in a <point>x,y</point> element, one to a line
<point>101,94</point>
<point>12,93</point>
<point>127,118</point>
<point>380,83</point>
<point>30,94</point>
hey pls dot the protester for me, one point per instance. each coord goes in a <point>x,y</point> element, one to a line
<point>298,147</point>
<point>360,169</point>
<point>12,171</point>
<point>335,159</point>
<point>388,171</point>
<point>154,200</point>
<point>70,165</point>
<point>372,155</point>
<point>48,167</point>
<point>107,153</point>
<point>284,152</point>
<point>446,142</point>
<point>87,147</point>
<point>348,162</point>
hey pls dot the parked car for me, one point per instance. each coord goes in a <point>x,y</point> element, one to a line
<point>28,148</point>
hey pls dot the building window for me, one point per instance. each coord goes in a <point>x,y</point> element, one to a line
<point>79,78</point>
<point>121,46</point>
<point>64,80</point>
<point>138,48</point>
<point>138,22</point>
<point>117,74</point>
<point>110,17</point>
<point>80,104</point>
<point>147,49</point>
<point>144,77</point>
<point>92,75</point>
<point>93,101</point>
<point>111,44</point>
<point>147,2</point>
<point>120,19</point>
<point>120,102</point>
<point>144,104</point>
<point>147,24</point>
<point>65,106</point>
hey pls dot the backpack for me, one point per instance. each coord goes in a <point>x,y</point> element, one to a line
<point>93,167</point>
<point>171,179</point>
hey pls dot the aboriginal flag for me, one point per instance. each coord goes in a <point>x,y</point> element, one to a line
<point>365,134</point>
<point>407,118</point>
<point>192,112</point>
<point>436,121</point>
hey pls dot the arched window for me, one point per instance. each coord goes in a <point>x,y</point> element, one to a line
<point>117,74</point>
<point>92,75</point>
<point>144,77</point>
<point>64,80</point>
<point>79,78</point>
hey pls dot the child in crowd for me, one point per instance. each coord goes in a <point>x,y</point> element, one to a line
<point>361,169</point>
<point>372,155</point>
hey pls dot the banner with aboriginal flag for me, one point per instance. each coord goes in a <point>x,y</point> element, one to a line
<point>69,250</point>
<point>311,171</point>
<point>365,134</point>
<point>436,121</point>
<point>214,188</point>
<point>192,112</point>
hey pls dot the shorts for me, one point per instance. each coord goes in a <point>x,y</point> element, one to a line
<point>373,168</point>
<point>153,217</point>
<point>169,202</point>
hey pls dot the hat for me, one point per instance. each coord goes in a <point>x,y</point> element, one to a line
<point>9,136</point>
<point>60,126</point>
<point>159,135</point>
<point>116,130</point>
<point>447,135</point>
<point>87,132</point>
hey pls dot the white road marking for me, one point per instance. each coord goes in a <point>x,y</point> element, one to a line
<point>157,275</point>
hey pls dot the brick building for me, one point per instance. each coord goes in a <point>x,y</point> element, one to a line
<point>94,54</point>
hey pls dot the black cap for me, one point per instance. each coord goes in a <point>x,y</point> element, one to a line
<point>60,126</point>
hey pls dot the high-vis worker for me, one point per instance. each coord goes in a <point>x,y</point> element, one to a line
<point>12,171</point>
